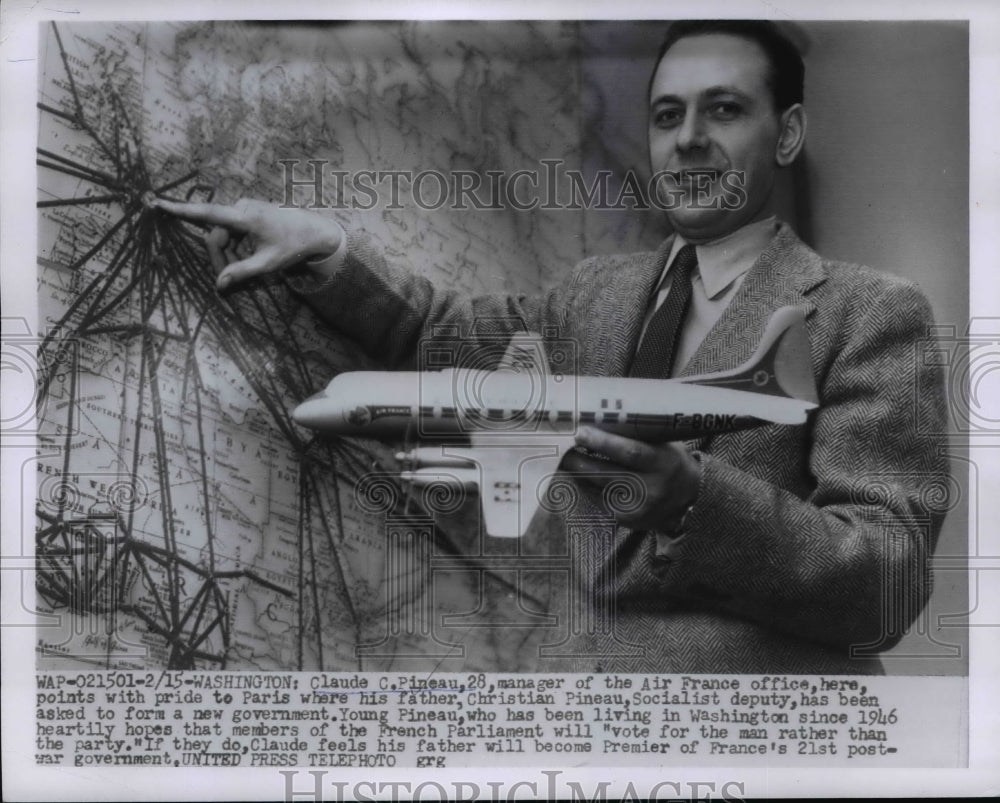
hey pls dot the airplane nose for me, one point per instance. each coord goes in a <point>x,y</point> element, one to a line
<point>312,411</point>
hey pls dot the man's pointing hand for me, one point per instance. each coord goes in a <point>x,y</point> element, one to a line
<point>252,238</point>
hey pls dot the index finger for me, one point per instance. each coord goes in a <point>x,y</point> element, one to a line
<point>626,452</point>
<point>218,214</point>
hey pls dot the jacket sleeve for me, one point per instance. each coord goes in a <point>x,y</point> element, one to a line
<point>388,309</point>
<point>847,564</point>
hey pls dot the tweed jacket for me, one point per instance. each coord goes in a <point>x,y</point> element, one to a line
<point>807,547</point>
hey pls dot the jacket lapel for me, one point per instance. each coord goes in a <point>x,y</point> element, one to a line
<point>626,298</point>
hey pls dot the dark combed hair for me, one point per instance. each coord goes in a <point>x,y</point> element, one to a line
<point>787,73</point>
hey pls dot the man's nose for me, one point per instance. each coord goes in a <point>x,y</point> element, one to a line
<point>692,133</point>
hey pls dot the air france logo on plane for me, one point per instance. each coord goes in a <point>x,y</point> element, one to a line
<point>360,416</point>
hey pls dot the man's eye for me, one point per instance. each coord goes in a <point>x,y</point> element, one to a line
<point>667,118</point>
<point>725,110</point>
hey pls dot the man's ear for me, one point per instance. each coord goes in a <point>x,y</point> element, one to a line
<point>792,136</point>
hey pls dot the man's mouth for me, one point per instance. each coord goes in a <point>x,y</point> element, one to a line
<point>696,175</point>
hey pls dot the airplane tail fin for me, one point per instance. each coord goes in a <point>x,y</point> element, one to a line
<point>780,366</point>
<point>525,354</point>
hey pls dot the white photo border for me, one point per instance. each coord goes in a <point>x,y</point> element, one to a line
<point>23,780</point>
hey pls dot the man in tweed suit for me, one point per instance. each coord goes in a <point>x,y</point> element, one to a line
<point>778,549</point>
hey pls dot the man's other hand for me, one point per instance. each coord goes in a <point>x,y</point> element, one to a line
<point>251,238</point>
<point>668,476</point>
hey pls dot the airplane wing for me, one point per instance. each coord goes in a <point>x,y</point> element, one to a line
<point>512,479</point>
<point>514,482</point>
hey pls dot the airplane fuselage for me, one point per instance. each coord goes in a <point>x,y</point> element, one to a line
<point>393,405</point>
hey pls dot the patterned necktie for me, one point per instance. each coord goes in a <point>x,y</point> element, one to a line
<point>656,353</point>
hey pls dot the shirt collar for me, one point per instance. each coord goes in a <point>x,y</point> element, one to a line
<point>722,261</point>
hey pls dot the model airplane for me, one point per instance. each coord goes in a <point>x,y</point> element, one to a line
<point>519,419</point>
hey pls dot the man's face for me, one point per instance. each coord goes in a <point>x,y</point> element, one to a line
<point>712,112</point>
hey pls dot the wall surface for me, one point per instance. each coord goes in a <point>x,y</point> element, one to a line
<point>888,186</point>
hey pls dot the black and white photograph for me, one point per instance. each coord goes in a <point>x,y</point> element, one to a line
<point>430,406</point>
